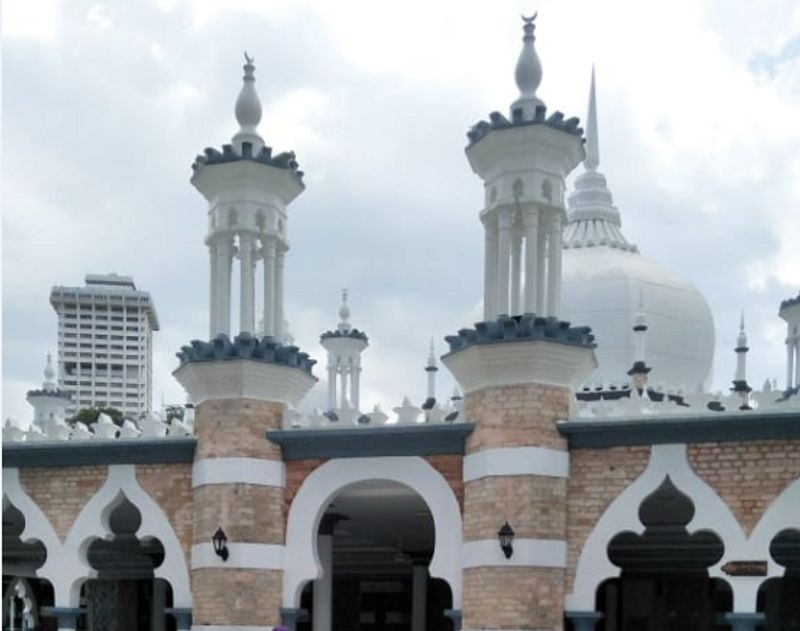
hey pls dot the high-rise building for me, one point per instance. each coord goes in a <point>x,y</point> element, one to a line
<point>105,343</point>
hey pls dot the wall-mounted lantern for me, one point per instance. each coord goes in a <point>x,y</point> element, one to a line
<point>506,537</point>
<point>220,542</point>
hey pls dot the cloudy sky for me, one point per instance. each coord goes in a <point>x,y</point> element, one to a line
<point>105,104</point>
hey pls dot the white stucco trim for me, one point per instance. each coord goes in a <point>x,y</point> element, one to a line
<point>527,553</point>
<point>238,471</point>
<point>38,527</point>
<point>711,513</point>
<point>516,461</point>
<point>242,556</point>
<point>92,523</point>
<point>325,482</point>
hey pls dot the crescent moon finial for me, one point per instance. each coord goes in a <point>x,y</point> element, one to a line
<point>248,58</point>
<point>530,19</point>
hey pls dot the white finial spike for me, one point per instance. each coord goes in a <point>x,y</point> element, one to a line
<point>741,340</point>
<point>49,375</point>
<point>432,356</point>
<point>528,73</point>
<point>344,313</point>
<point>592,160</point>
<point>248,111</point>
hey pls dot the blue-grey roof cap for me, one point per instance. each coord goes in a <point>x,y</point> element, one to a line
<point>497,121</point>
<point>246,346</point>
<point>352,333</point>
<point>790,302</point>
<point>522,327</point>
<point>285,160</point>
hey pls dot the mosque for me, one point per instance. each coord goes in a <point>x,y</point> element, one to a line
<point>582,477</point>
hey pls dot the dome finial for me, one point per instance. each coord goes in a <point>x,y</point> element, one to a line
<point>49,375</point>
<point>248,110</point>
<point>592,160</point>
<point>344,313</point>
<point>528,73</point>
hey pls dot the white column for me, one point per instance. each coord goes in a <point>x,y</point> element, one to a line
<point>355,385</point>
<point>279,292</point>
<point>419,594</point>
<point>159,602</point>
<point>224,269</point>
<point>247,284</point>
<point>530,223</point>
<point>268,251</point>
<point>553,268</point>
<point>431,382</point>
<point>790,354</point>
<point>331,384</point>
<point>503,261</point>
<point>797,363</point>
<point>541,283</point>
<point>516,271</point>
<point>343,384</point>
<point>323,586</point>
<point>213,306</point>
<point>490,270</point>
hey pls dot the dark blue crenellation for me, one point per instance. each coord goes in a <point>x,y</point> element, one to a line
<point>285,160</point>
<point>790,302</point>
<point>522,327</point>
<point>246,346</point>
<point>497,121</point>
<point>352,333</point>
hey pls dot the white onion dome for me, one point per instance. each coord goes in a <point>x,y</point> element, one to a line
<point>344,314</point>
<point>528,73</point>
<point>605,278</point>
<point>49,376</point>
<point>248,111</point>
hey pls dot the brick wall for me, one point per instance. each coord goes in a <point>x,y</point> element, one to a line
<point>748,476</point>
<point>170,485</point>
<point>235,427</point>
<point>246,512</point>
<point>512,416</point>
<point>62,492</point>
<point>597,477</point>
<point>236,597</point>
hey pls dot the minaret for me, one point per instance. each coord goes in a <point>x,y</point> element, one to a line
<point>248,191</point>
<point>523,163</point>
<point>518,369</point>
<point>431,369</point>
<point>49,403</point>
<point>790,313</point>
<point>740,385</point>
<point>640,369</point>
<point>344,345</point>
<point>593,218</point>
<point>241,386</point>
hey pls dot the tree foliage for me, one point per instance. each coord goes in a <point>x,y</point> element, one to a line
<point>89,415</point>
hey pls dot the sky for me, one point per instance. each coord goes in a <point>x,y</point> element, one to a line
<point>105,105</point>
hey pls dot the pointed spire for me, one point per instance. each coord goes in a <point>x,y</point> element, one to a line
<point>592,160</point>
<point>49,376</point>
<point>248,111</point>
<point>344,314</point>
<point>740,385</point>
<point>432,356</point>
<point>741,339</point>
<point>528,73</point>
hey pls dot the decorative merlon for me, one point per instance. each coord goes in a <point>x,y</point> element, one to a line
<point>246,346</point>
<point>519,328</point>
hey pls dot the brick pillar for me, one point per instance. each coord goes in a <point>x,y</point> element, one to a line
<point>238,486</point>
<point>515,470</point>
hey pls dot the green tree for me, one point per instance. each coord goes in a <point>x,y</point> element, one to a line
<point>89,415</point>
<point>174,412</point>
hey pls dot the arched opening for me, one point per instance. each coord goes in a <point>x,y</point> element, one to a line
<point>24,593</point>
<point>664,583</point>
<point>375,543</point>
<point>125,595</point>
<point>778,598</point>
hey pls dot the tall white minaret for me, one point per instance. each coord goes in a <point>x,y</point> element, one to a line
<point>740,385</point>
<point>593,218</point>
<point>790,313</point>
<point>344,345</point>
<point>248,191</point>
<point>49,403</point>
<point>523,163</point>
<point>431,369</point>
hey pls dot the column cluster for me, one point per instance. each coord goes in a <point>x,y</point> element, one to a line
<point>522,266</point>
<point>790,313</point>
<point>249,248</point>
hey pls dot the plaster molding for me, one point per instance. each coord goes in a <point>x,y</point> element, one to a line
<point>238,471</point>
<point>321,486</point>
<point>242,556</point>
<point>520,362</point>
<point>243,379</point>
<point>527,553</point>
<point>516,461</point>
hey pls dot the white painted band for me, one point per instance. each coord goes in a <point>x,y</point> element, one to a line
<point>516,461</point>
<point>238,471</point>
<point>241,556</point>
<point>527,553</point>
